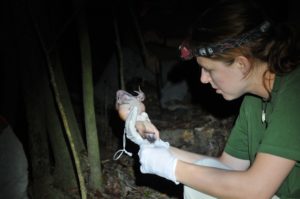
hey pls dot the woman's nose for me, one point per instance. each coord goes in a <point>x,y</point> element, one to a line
<point>205,77</point>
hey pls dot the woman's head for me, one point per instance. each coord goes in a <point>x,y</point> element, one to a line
<point>233,28</point>
<point>236,33</point>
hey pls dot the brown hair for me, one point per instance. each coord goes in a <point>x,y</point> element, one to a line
<point>232,18</point>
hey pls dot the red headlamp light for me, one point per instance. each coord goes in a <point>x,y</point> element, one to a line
<point>185,52</point>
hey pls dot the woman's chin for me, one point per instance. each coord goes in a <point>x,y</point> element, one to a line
<point>228,97</point>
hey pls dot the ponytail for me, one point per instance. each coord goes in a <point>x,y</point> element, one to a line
<point>280,49</point>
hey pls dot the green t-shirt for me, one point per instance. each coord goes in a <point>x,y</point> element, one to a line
<point>279,135</point>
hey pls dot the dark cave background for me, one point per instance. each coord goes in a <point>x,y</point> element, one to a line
<point>22,57</point>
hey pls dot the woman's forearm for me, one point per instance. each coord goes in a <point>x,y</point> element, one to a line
<point>185,155</point>
<point>216,182</point>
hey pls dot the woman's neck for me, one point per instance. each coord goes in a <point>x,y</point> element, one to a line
<point>263,82</point>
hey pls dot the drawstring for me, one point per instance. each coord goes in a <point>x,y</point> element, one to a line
<point>120,152</point>
<point>264,105</point>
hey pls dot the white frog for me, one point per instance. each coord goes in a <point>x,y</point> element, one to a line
<point>124,104</point>
<point>125,101</point>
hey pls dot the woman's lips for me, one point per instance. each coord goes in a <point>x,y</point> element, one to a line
<point>218,91</point>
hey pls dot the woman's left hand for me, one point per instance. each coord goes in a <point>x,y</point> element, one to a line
<point>158,160</point>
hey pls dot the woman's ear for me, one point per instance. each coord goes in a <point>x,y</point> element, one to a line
<point>243,63</point>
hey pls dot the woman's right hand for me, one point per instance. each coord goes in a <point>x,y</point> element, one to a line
<point>139,127</point>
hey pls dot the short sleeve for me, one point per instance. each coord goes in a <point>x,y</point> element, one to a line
<point>237,144</point>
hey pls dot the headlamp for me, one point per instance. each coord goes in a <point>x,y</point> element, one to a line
<point>187,53</point>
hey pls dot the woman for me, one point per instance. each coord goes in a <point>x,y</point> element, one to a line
<point>241,53</point>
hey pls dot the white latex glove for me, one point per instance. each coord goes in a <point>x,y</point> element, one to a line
<point>160,143</point>
<point>131,132</point>
<point>143,123</point>
<point>157,160</point>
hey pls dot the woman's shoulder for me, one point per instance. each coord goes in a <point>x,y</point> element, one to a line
<point>294,74</point>
<point>291,80</point>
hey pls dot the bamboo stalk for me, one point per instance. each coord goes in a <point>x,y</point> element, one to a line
<point>68,132</point>
<point>95,180</point>
<point>62,112</point>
